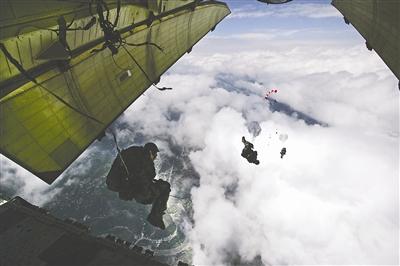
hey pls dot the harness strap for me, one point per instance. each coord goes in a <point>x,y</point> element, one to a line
<point>119,154</point>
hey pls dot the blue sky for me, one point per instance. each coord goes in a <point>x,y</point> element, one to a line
<point>239,3</point>
<point>279,19</point>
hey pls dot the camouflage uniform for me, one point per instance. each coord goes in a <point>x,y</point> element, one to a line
<point>248,152</point>
<point>136,181</point>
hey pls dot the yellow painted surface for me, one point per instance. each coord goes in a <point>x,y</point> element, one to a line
<point>43,134</point>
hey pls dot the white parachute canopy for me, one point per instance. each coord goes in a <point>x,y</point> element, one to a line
<point>254,128</point>
<point>283,137</point>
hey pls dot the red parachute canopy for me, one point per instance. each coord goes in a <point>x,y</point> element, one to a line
<point>270,92</point>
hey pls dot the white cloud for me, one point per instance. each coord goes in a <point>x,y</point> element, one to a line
<point>339,86</point>
<point>333,199</point>
<point>24,184</point>
<point>16,181</point>
<point>320,205</point>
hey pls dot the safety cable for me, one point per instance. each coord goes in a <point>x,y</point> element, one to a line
<point>144,72</point>
<point>113,39</point>
<point>145,43</point>
<point>119,153</point>
<point>126,69</point>
<point>118,66</point>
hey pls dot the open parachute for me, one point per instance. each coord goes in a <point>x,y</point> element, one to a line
<point>254,128</point>
<point>270,92</point>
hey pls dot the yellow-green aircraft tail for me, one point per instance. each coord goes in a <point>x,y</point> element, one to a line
<point>70,68</point>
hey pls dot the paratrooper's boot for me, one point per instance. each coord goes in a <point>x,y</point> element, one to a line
<point>156,219</point>
<point>160,204</point>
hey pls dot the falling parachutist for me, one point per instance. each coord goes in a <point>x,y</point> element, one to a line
<point>283,152</point>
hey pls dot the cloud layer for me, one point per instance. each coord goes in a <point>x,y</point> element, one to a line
<point>333,199</point>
